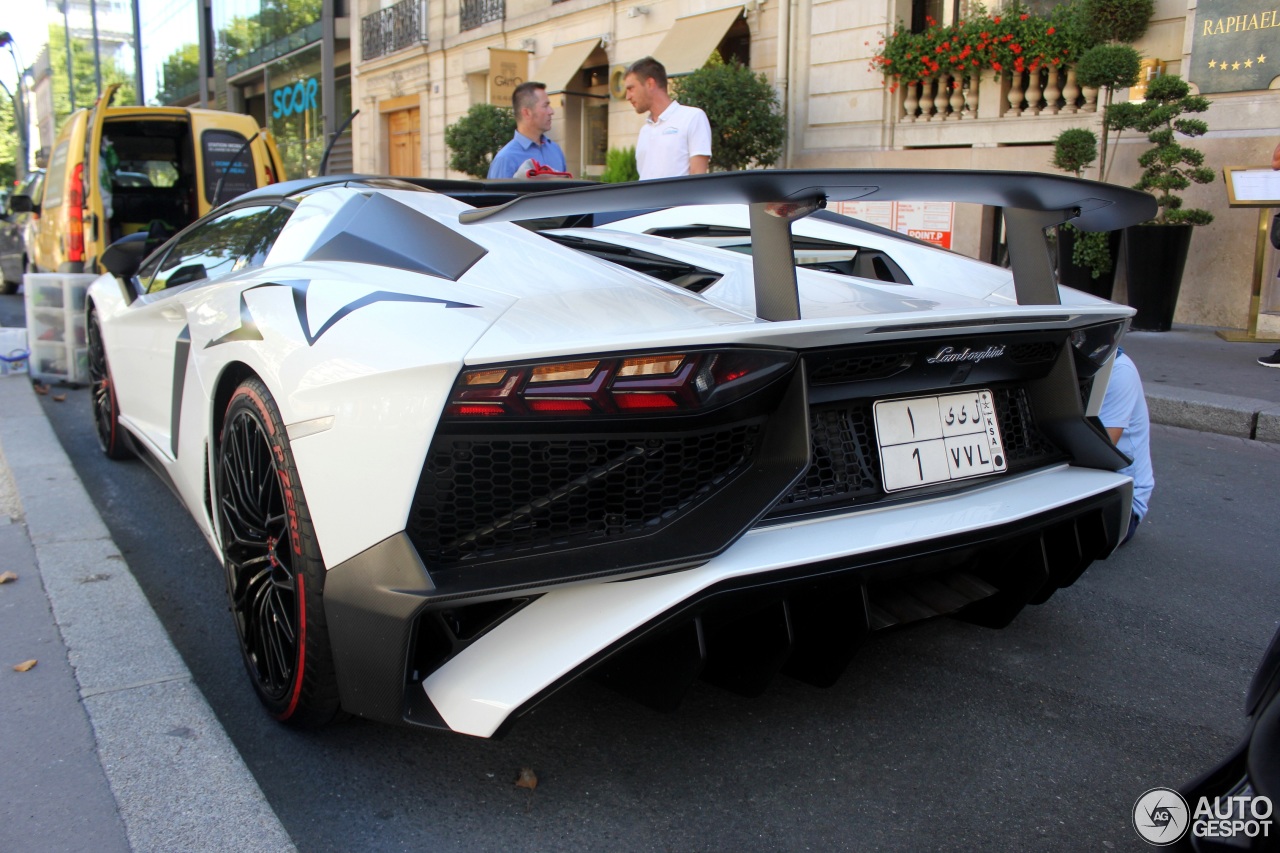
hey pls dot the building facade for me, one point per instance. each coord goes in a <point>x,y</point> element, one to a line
<point>419,65</point>
<point>287,63</point>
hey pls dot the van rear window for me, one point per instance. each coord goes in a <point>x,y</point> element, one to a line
<point>224,153</point>
<point>56,176</point>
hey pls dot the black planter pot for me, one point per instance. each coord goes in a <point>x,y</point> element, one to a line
<point>1154,257</point>
<point>1081,278</point>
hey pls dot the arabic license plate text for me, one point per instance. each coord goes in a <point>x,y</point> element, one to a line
<point>934,439</point>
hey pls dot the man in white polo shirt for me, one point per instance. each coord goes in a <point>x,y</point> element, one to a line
<point>675,139</point>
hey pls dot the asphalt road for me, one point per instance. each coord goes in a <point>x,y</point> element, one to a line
<point>941,736</point>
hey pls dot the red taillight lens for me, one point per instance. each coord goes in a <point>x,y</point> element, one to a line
<point>633,402</point>
<point>610,385</point>
<point>75,212</point>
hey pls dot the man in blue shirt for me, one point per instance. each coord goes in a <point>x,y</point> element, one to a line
<point>1124,414</point>
<point>533,119</point>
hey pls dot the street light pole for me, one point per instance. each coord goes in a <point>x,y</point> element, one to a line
<point>19,109</point>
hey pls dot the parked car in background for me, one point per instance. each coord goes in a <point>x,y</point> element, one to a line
<point>118,170</point>
<point>450,464</point>
<point>16,228</point>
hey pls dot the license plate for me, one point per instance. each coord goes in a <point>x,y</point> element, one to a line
<point>928,440</point>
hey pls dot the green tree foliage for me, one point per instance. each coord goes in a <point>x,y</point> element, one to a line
<point>275,20</point>
<point>82,73</point>
<point>8,142</point>
<point>1169,167</point>
<point>1108,67</point>
<point>1073,150</point>
<point>181,69</point>
<point>747,124</point>
<point>474,139</point>
<point>1116,20</point>
<point>620,166</point>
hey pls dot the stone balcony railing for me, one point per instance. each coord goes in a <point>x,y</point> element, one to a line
<point>1004,106</point>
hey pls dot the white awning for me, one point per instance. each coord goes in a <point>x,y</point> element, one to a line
<point>558,70</point>
<point>690,40</point>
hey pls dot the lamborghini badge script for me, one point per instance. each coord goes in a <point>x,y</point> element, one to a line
<point>948,355</point>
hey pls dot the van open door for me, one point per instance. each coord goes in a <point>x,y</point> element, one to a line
<point>83,232</point>
<point>270,155</point>
<point>231,156</point>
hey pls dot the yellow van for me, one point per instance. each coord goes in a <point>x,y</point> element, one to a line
<point>118,170</point>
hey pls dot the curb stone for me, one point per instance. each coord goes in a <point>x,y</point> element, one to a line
<point>178,781</point>
<point>1206,411</point>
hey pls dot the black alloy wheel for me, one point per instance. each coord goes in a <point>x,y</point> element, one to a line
<point>106,412</point>
<point>274,570</point>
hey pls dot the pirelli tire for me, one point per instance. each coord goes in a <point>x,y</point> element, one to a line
<point>274,570</point>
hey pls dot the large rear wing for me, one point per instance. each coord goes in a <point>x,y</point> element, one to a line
<point>1032,202</point>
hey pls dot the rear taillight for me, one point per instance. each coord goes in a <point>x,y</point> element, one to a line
<point>75,211</point>
<point>663,383</point>
<point>271,175</point>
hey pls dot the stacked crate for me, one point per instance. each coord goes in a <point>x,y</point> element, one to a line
<point>56,326</point>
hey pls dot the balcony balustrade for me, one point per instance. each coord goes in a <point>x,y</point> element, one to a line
<point>395,28</point>
<point>1031,106</point>
<point>478,12</point>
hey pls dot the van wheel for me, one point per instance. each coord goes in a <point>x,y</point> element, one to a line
<point>9,288</point>
<point>275,574</point>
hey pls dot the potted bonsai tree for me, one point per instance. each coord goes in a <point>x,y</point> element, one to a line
<point>1085,258</point>
<point>1156,252</point>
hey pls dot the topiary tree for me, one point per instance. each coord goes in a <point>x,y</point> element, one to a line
<point>747,124</point>
<point>620,166</point>
<point>474,139</point>
<point>1073,151</point>
<point>1116,20</point>
<point>1108,67</point>
<point>1168,167</point>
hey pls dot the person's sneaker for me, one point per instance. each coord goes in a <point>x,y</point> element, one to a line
<point>1272,360</point>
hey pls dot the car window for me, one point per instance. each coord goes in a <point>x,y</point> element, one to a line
<point>236,241</point>
<point>56,175</point>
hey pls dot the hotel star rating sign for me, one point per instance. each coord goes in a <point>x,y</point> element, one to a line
<point>1223,65</point>
<point>1231,43</point>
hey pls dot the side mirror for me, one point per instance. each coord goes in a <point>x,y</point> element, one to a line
<point>22,204</point>
<point>123,257</point>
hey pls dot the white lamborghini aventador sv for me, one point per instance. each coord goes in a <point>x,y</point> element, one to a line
<point>453,457</point>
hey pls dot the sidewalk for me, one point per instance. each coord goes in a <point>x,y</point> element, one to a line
<point>109,744</point>
<point>1196,380</point>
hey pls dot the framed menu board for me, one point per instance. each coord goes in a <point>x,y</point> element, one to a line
<point>1252,187</point>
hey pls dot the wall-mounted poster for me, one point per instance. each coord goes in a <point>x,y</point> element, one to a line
<point>930,221</point>
<point>1235,46</point>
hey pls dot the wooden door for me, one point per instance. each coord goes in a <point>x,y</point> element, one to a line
<point>404,154</point>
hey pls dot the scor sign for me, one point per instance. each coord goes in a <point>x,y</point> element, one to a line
<point>298,98</point>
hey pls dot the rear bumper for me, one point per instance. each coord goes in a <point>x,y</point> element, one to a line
<point>810,585</point>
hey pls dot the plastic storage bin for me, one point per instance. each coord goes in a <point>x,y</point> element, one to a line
<point>56,334</point>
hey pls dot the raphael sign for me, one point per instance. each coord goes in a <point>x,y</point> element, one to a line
<point>1236,45</point>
